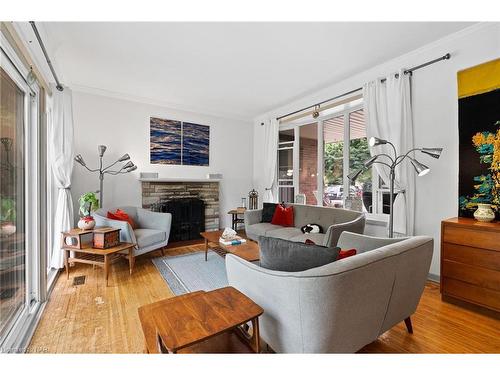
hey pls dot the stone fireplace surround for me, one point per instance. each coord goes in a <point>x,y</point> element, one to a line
<point>157,190</point>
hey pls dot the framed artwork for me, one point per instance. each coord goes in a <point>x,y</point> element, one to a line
<point>479,137</point>
<point>179,143</point>
<point>195,144</point>
<point>166,141</point>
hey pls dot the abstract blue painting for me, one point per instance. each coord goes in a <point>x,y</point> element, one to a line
<point>195,144</point>
<point>179,143</point>
<point>166,141</point>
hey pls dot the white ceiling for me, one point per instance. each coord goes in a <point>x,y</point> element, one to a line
<point>231,69</point>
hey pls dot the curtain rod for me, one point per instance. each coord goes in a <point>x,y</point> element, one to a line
<point>407,71</point>
<point>42,46</point>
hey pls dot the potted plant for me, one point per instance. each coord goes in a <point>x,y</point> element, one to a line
<point>88,203</point>
<point>7,216</point>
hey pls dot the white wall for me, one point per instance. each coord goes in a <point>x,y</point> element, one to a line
<point>123,126</point>
<point>435,109</point>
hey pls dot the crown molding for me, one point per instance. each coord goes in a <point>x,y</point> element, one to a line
<point>156,102</point>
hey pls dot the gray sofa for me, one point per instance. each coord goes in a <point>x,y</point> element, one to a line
<point>152,232</point>
<point>333,220</point>
<point>342,306</point>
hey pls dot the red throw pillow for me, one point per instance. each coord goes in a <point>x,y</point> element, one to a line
<point>346,253</point>
<point>309,242</point>
<point>283,216</point>
<point>121,216</point>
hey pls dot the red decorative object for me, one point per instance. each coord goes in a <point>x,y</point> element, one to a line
<point>309,242</point>
<point>346,253</point>
<point>283,216</point>
<point>121,216</point>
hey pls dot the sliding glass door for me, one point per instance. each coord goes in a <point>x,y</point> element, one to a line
<point>22,202</point>
<point>12,202</point>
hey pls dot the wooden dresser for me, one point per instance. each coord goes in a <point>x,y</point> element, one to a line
<point>470,262</point>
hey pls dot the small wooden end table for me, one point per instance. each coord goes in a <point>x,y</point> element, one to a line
<point>90,255</point>
<point>248,250</point>
<point>234,217</point>
<point>202,322</point>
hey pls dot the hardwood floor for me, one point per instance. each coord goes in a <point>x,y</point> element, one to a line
<point>93,318</point>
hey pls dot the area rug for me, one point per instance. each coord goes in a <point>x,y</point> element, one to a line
<point>189,273</point>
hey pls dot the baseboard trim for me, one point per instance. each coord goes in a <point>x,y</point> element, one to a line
<point>433,277</point>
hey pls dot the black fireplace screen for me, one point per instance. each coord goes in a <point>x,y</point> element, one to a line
<point>188,217</point>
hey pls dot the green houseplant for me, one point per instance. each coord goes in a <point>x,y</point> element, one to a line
<point>88,203</point>
<point>7,216</point>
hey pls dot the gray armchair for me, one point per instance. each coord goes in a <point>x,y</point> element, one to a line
<point>341,306</point>
<point>152,232</point>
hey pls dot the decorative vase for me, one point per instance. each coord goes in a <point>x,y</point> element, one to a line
<point>7,229</point>
<point>484,213</point>
<point>86,223</point>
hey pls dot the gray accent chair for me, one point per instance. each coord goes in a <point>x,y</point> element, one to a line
<point>342,306</point>
<point>152,232</point>
<point>333,220</point>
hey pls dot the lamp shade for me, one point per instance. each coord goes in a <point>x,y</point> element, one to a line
<point>420,168</point>
<point>368,163</point>
<point>101,149</point>
<point>374,141</point>
<point>79,160</point>
<point>124,157</point>
<point>354,175</point>
<point>434,152</point>
<point>128,165</point>
<point>132,168</point>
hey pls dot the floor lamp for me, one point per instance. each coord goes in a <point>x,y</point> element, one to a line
<point>125,168</point>
<point>392,162</point>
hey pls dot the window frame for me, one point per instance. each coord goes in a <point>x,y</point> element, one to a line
<point>345,110</point>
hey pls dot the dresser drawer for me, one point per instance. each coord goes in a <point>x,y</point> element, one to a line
<point>472,237</point>
<point>473,256</point>
<point>471,293</point>
<point>481,277</point>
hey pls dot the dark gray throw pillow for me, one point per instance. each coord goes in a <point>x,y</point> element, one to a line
<point>282,255</point>
<point>268,212</point>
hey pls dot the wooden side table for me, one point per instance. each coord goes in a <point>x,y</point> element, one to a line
<point>202,322</point>
<point>235,220</point>
<point>98,257</point>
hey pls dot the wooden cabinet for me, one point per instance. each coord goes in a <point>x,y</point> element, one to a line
<point>470,262</point>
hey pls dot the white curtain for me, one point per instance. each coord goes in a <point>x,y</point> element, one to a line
<point>388,115</point>
<point>270,160</point>
<point>60,129</point>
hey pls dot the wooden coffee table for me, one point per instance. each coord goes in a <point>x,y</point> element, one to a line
<point>248,250</point>
<point>202,322</point>
<point>98,257</point>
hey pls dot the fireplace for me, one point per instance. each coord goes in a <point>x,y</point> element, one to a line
<point>188,217</point>
<point>158,193</point>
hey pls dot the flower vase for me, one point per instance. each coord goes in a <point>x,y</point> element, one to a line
<point>484,213</point>
<point>86,223</point>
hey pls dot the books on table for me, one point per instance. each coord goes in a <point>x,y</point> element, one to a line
<point>234,241</point>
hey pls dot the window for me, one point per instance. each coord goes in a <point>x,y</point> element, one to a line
<point>321,154</point>
<point>286,186</point>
